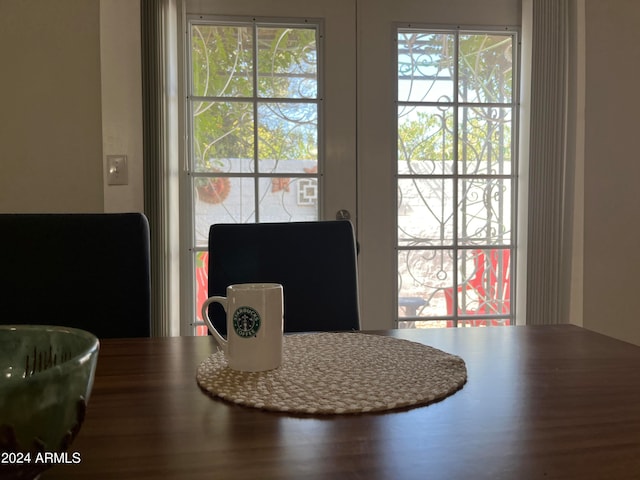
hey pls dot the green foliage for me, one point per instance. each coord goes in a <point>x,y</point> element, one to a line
<point>486,71</point>
<point>426,66</point>
<point>222,58</point>
<point>279,144</point>
<point>427,136</point>
<point>222,82</point>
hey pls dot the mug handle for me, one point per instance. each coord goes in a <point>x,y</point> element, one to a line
<point>224,344</point>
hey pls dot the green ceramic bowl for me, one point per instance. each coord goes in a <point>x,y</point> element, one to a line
<point>46,377</point>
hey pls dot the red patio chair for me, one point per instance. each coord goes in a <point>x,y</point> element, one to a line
<point>202,282</point>
<point>492,288</point>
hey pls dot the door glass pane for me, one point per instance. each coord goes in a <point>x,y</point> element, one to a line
<point>287,63</point>
<point>221,199</point>
<point>486,68</point>
<point>485,140</point>
<point>425,140</point>
<point>221,61</point>
<point>254,113</point>
<point>484,281</point>
<point>425,66</point>
<point>246,137</point>
<point>425,277</point>
<point>222,131</point>
<point>426,288</point>
<point>288,199</point>
<point>425,212</point>
<point>287,137</point>
<point>484,211</point>
<point>456,177</point>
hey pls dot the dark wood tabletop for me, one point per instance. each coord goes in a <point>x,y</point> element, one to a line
<point>543,402</point>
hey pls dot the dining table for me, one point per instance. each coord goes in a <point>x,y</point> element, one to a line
<point>538,402</point>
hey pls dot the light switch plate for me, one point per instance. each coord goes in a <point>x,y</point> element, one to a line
<point>117,170</point>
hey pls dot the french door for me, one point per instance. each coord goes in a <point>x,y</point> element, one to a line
<point>313,106</point>
<point>271,102</point>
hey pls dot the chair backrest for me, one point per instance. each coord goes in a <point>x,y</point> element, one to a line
<point>88,271</point>
<point>314,261</point>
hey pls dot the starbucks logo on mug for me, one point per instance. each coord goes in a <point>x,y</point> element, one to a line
<point>246,322</point>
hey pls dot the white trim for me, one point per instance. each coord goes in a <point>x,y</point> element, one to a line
<point>523,182</point>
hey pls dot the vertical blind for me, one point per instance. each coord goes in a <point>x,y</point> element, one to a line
<point>549,203</point>
<point>155,158</point>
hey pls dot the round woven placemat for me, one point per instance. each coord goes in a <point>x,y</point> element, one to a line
<point>339,373</point>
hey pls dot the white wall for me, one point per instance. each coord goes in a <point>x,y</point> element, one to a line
<point>50,121</point>
<point>122,100</point>
<point>70,94</point>
<point>612,168</point>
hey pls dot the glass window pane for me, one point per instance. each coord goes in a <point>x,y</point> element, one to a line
<point>221,200</point>
<point>484,278</point>
<point>424,277</point>
<point>425,211</point>
<point>222,61</point>
<point>425,140</point>
<point>287,137</point>
<point>482,322</point>
<point>426,63</point>
<point>287,63</point>
<point>222,131</point>
<point>484,211</point>
<point>486,68</point>
<point>484,145</point>
<point>285,199</point>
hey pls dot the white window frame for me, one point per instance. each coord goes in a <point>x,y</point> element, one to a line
<point>189,247</point>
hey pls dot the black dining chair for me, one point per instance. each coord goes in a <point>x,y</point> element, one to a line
<point>82,270</point>
<point>314,261</point>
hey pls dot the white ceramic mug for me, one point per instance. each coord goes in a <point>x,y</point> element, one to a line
<point>254,325</point>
